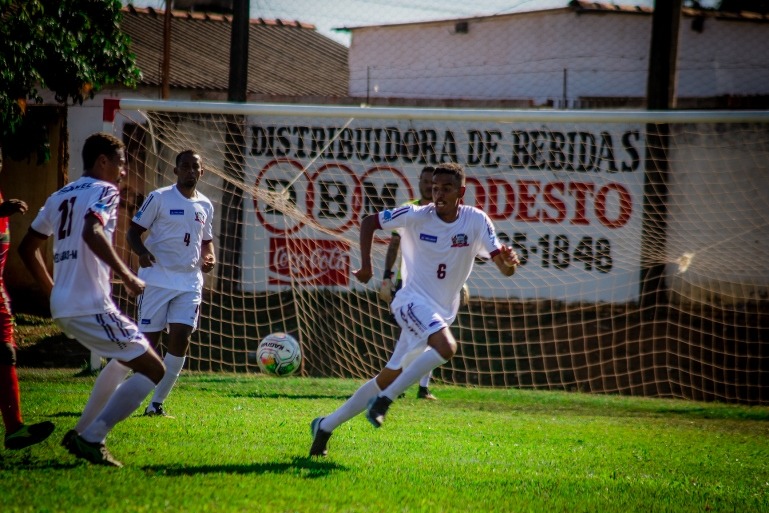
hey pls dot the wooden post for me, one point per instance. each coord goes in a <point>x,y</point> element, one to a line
<point>660,95</point>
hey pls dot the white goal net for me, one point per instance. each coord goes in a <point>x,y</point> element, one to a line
<point>643,235</point>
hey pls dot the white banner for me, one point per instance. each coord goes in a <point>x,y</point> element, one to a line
<point>570,201</point>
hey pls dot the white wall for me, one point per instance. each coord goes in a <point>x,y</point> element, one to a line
<point>84,120</point>
<point>524,56</point>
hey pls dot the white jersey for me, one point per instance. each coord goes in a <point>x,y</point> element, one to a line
<point>438,256</point>
<point>177,226</point>
<point>81,279</point>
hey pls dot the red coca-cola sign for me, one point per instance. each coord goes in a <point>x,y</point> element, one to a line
<point>309,262</point>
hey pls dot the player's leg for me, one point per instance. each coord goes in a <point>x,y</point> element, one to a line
<point>110,378</point>
<point>421,325</point>
<point>126,344</point>
<point>322,427</point>
<point>182,315</point>
<point>178,337</point>
<point>17,434</point>
<point>424,388</point>
<point>153,306</point>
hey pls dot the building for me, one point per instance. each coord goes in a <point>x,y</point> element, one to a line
<point>584,54</point>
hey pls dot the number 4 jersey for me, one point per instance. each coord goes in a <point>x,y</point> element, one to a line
<point>176,227</point>
<point>81,280</point>
<point>438,256</point>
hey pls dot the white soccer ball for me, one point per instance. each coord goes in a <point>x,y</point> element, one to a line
<point>279,354</point>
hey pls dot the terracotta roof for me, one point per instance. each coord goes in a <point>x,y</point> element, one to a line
<point>603,7</point>
<point>286,58</point>
<point>582,7</point>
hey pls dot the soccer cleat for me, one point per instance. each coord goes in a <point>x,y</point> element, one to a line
<point>424,393</point>
<point>28,434</point>
<point>377,409</point>
<point>94,452</point>
<point>67,441</point>
<point>156,410</point>
<point>319,438</point>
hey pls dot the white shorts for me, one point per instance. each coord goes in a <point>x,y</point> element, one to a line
<point>417,323</point>
<point>111,335</point>
<point>159,307</point>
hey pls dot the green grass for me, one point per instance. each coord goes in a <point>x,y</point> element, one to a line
<point>239,443</point>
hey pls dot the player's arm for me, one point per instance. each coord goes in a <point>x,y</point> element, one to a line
<point>386,288</point>
<point>507,260</point>
<point>30,251</point>
<point>98,242</point>
<point>134,239</point>
<point>208,256</point>
<point>368,226</point>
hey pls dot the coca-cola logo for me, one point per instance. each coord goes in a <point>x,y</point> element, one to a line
<point>309,262</point>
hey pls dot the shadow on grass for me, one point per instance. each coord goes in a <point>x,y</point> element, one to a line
<point>273,395</point>
<point>63,414</point>
<point>23,460</point>
<point>306,467</point>
<point>587,406</point>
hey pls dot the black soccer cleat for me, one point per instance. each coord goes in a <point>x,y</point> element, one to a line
<point>377,409</point>
<point>319,438</point>
<point>28,434</point>
<point>68,440</point>
<point>94,452</point>
<point>156,410</point>
<point>424,393</point>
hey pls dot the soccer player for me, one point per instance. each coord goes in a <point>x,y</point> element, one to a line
<point>82,217</point>
<point>178,249</point>
<point>387,289</point>
<point>17,434</point>
<point>439,243</point>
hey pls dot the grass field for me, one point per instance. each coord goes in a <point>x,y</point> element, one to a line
<point>239,443</point>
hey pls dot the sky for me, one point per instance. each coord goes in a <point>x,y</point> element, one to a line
<point>327,15</point>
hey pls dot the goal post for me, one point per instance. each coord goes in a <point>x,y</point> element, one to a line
<point>577,193</point>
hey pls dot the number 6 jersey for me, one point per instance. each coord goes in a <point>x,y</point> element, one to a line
<point>176,227</point>
<point>438,256</point>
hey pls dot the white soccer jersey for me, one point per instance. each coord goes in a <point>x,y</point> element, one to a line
<point>438,256</point>
<point>81,280</point>
<point>176,228</point>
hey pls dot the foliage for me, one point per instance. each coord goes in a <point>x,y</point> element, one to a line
<point>240,442</point>
<point>71,47</point>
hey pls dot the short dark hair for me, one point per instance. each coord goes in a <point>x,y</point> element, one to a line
<point>453,169</point>
<point>182,153</point>
<point>97,144</point>
<point>427,169</point>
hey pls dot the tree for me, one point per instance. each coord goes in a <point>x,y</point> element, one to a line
<point>72,48</point>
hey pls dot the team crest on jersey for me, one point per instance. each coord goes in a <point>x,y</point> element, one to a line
<point>459,240</point>
<point>200,217</point>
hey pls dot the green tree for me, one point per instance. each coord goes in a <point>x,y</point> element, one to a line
<point>72,48</point>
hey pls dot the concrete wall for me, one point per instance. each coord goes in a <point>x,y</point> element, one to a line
<point>552,56</point>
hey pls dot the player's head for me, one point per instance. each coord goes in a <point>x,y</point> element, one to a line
<point>448,189</point>
<point>426,184</point>
<point>189,169</point>
<point>104,157</point>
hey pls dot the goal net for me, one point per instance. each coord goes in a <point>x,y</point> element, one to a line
<point>643,238</point>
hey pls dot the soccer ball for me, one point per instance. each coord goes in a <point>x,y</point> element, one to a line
<point>279,354</point>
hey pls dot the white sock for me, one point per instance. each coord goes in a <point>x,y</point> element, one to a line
<point>123,403</point>
<point>353,406</point>
<point>421,365</point>
<point>110,378</point>
<point>425,381</point>
<point>174,365</point>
